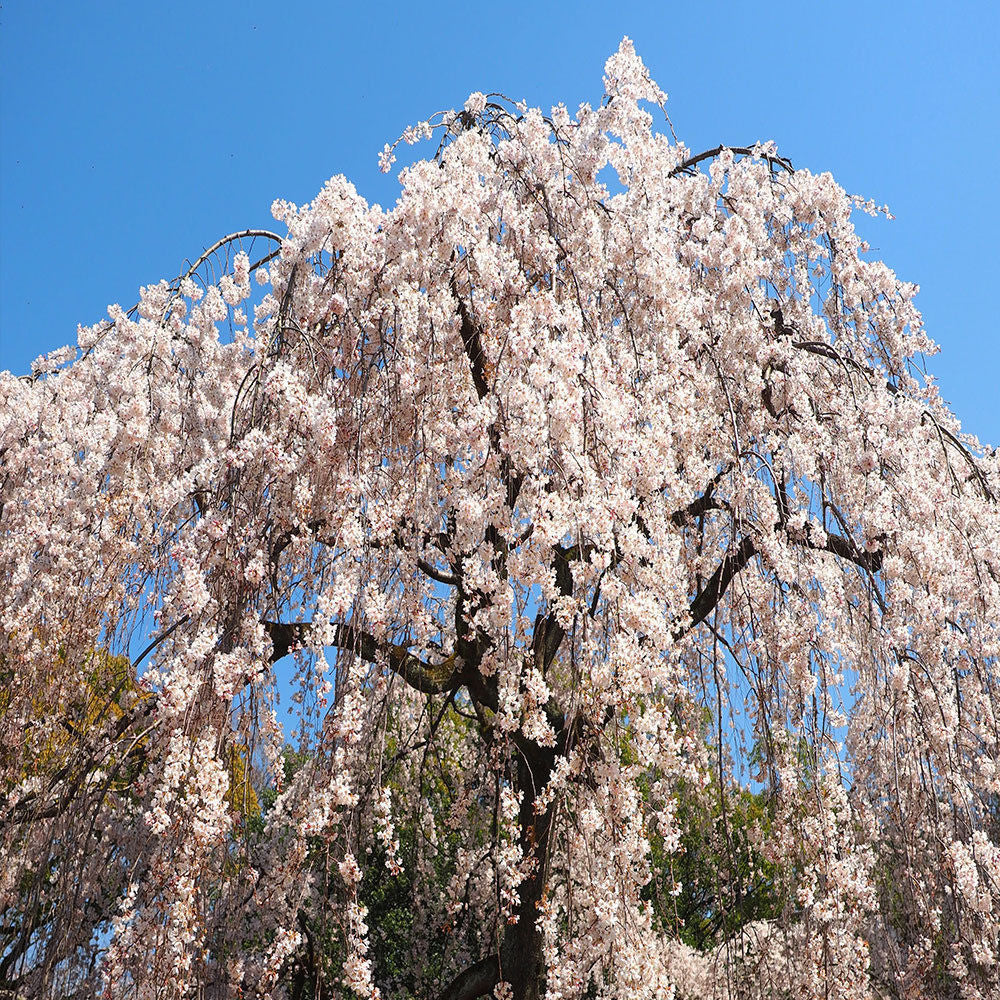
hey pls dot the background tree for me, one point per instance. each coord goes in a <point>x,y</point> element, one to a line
<point>587,437</point>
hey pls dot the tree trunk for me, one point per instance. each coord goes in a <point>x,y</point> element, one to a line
<point>522,963</point>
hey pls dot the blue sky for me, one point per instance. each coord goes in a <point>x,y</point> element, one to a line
<point>132,135</point>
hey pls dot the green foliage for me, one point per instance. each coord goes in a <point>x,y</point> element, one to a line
<point>391,892</point>
<point>724,881</point>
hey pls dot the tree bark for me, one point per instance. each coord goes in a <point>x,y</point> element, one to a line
<point>522,963</point>
<point>476,981</point>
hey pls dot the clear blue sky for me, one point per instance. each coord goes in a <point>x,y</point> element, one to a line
<point>133,134</point>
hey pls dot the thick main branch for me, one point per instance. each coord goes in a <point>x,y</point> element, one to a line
<point>476,981</point>
<point>428,678</point>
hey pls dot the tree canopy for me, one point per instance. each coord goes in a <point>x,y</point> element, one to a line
<point>642,593</point>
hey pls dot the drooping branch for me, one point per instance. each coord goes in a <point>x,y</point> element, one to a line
<point>714,589</point>
<point>700,505</point>
<point>157,640</point>
<point>733,563</point>
<point>691,162</point>
<point>844,548</point>
<point>243,234</point>
<point>829,351</point>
